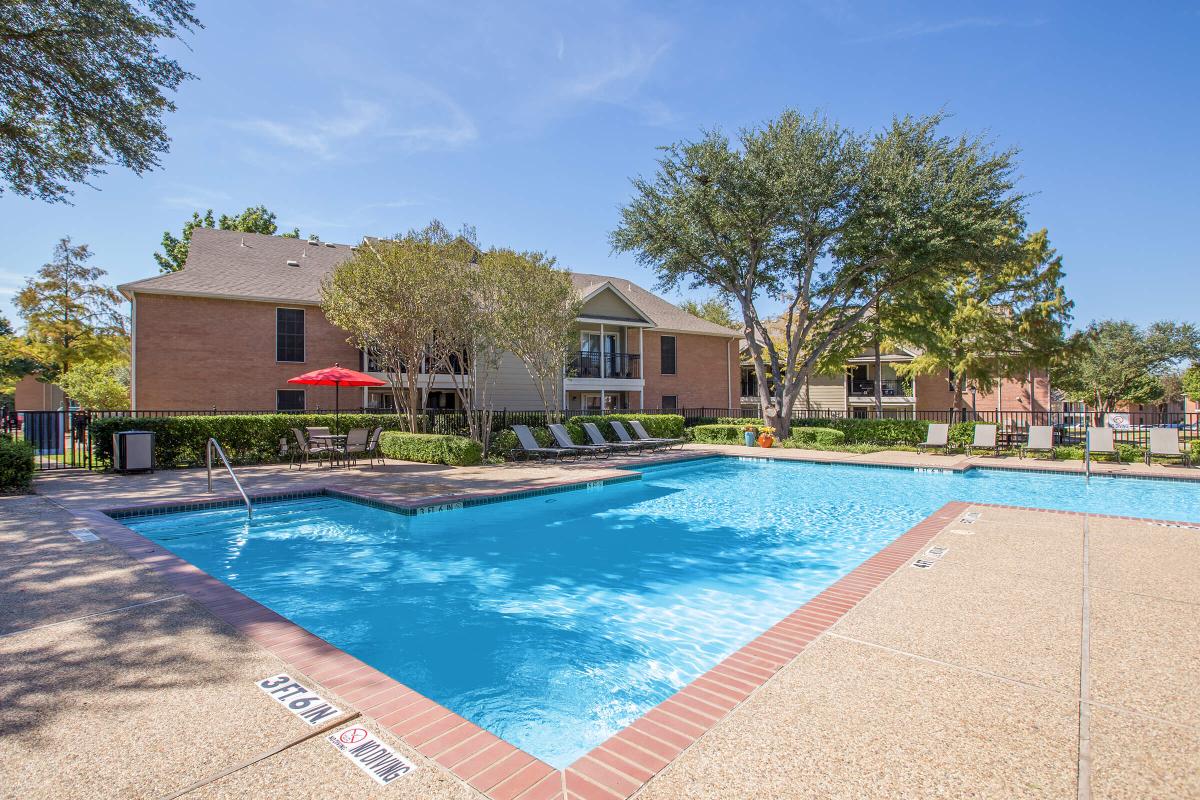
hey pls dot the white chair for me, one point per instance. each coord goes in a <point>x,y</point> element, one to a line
<point>1164,443</point>
<point>1100,443</point>
<point>1041,440</point>
<point>938,435</point>
<point>985,439</point>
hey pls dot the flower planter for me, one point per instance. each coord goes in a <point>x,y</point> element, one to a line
<point>748,437</point>
<point>766,440</point>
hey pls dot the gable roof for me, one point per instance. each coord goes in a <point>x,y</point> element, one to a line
<point>253,266</point>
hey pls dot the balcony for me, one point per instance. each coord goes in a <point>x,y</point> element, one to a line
<point>889,388</point>
<point>609,365</point>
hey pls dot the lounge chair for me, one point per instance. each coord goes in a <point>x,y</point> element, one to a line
<point>642,435</point>
<point>1041,440</point>
<point>530,447</point>
<point>624,437</point>
<point>1164,443</point>
<point>1100,443</point>
<point>985,439</point>
<point>598,438</point>
<point>562,438</point>
<point>938,435</point>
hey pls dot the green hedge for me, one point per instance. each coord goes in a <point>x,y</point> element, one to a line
<point>720,434</point>
<point>801,438</point>
<point>1196,453</point>
<point>872,431</point>
<point>16,465</point>
<point>245,438</point>
<point>430,448</point>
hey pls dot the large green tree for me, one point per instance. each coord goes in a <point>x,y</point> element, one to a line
<point>15,362</point>
<point>255,219</point>
<point>84,85</point>
<point>1121,363</point>
<point>1190,383</point>
<point>70,316</point>
<point>804,210</point>
<point>992,321</point>
<point>713,309</point>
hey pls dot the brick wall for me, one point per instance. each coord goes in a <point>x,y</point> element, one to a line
<point>934,394</point>
<point>198,353</point>
<point>705,369</point>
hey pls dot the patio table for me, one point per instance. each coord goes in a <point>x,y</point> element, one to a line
<point>336,442</point>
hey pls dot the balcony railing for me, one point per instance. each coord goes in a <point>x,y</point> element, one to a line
<point>889,388</point>
<point>608,365</point>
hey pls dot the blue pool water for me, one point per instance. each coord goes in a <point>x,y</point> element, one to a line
<point>556,620</point>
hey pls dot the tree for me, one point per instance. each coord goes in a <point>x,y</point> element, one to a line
<point>97,384</point>
<point>255,219</point>
<point>829,221</point>
<point>537,305</point>
<point>1122,364</point>
<point>83,85</point>
<point>1190,383</point>
<point>993,321</point>
<point>715,310</point>
<point>70,316</point>
<point>14,362</point>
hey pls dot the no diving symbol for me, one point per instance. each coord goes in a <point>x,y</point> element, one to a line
<point>353,735</point>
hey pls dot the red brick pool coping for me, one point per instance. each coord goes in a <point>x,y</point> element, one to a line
<point>613,770</point>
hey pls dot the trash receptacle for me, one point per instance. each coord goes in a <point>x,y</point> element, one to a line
<point>133,451</point>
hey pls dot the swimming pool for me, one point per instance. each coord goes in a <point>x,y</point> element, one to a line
<point>556,620</point>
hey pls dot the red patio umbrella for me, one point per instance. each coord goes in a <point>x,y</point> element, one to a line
<point>337,376</point>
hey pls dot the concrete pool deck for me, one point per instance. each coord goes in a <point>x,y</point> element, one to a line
<point>964,679</point>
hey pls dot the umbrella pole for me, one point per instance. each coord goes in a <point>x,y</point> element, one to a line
<point>337,405</point>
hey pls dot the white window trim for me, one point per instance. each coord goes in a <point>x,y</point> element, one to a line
<point>304,317</point>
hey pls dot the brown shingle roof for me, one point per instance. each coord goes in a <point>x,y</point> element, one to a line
<point>251,266</point>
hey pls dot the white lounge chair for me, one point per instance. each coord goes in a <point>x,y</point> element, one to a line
<point>985,439</point>
<point>1100,443</point>
<point>664,441</point>
<point>1164,443</point>
<point>562,437</point>
<point>530,447</point>
<point>1041,440</point>
<point>938,435</point>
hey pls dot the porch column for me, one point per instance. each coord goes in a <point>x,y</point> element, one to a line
<point>641,369</point>
<point>602,369</point>
<point>603,408</point>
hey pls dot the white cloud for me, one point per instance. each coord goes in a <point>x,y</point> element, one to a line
<point>918,29</point>
<point>414,116</point>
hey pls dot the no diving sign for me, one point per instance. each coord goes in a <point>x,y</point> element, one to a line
<point>369,754</point>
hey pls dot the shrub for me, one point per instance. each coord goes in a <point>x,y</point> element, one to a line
<point>872,431</point>
<point>740,421</point>
<point>814,437</point>
<point>16,465</point>
<point>430,448</point>
<point>246,438</point>
<point>1196,453</point>
<point>962,433</point>
<point>719,434</point>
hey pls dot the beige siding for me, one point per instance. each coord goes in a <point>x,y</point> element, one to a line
<point>514,388</point>
<point>608,304</point>
<point>827,393</point>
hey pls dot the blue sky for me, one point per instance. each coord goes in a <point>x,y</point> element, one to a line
<point>527,120</point>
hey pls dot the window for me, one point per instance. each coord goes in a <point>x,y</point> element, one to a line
<point>289,334</point>
<point>667,359</point>
<point>951,379</point>
<point>289,400</point>
<point>670,402</point>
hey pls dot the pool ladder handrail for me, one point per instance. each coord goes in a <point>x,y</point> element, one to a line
<point>1087,456</point>
<point>208,451</point>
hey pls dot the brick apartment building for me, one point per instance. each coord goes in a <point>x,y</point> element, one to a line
<point>243,316</point>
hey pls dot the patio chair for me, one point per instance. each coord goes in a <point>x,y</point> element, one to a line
<point>1100,443</point>
<point>305,450</point>
<point>1164,443</point>
<point>1041,440</point>
<point>316,432</point>
<point>562,437</point>
<point>938,435</point>
<point>985,439</point>
<point>625,438</point>
<point>356,444</point>
<point>530,447</point>
<point>372,451</point>
<point>642,435</point>
<point>598,438</point>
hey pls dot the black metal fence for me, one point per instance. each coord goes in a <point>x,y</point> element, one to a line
<point>62,439</point>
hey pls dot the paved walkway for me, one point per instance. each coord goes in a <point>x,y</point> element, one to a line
<point>1043,655</point>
